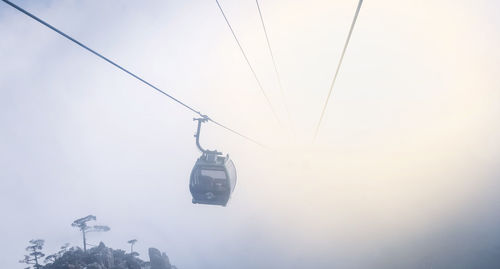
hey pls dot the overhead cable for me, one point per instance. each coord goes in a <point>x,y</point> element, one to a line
<point>274,64</point>
<point>248,62</point>
<point>338,68</point>
<point>130,73</point>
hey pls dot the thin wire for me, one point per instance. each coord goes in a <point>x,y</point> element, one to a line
<point>130,73</point>
<point>101,56</point>
<point>275,65</point>
<point>248,62</point>
<point>240,134</point>
<point>338,68</point>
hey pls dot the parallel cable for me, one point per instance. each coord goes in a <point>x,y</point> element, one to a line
<point>239,134</point>
<point>338,68</point>
<point>248,62</point>
<point>274,64</point>
<point>130,73</point>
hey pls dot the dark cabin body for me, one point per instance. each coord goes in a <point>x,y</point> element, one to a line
<point>213,179</point>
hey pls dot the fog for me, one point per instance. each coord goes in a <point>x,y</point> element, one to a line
<point>404,173</point>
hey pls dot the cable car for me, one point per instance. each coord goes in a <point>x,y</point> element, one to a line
<point>213,177</point>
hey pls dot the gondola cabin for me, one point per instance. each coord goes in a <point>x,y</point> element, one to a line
<point>213,179</point>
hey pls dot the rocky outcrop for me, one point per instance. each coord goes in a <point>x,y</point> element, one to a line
<point>158,260</point>
<point>102,257</point>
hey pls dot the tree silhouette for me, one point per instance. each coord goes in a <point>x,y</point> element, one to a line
<point>132,243</point>
<point>34,253</point>
<point>84,228</point>
<point>55,256</point>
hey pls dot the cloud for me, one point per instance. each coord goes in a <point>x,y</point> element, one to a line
<point>407,155</point>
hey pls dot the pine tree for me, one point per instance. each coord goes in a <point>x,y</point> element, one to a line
<point>84,228</point>
<point>132,243</point>
<point>34,254</point>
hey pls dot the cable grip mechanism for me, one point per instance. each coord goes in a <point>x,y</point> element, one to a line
<point>197,135</point>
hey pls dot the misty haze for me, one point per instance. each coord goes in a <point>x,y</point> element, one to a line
<point>326,134</point>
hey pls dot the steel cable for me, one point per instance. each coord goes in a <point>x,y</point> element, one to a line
<point>338,68</point>
<point>130,73</point>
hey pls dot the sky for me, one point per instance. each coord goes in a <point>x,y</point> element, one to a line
<point>405,172</point>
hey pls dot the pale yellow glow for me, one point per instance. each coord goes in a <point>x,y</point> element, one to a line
<point>410,129</point>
